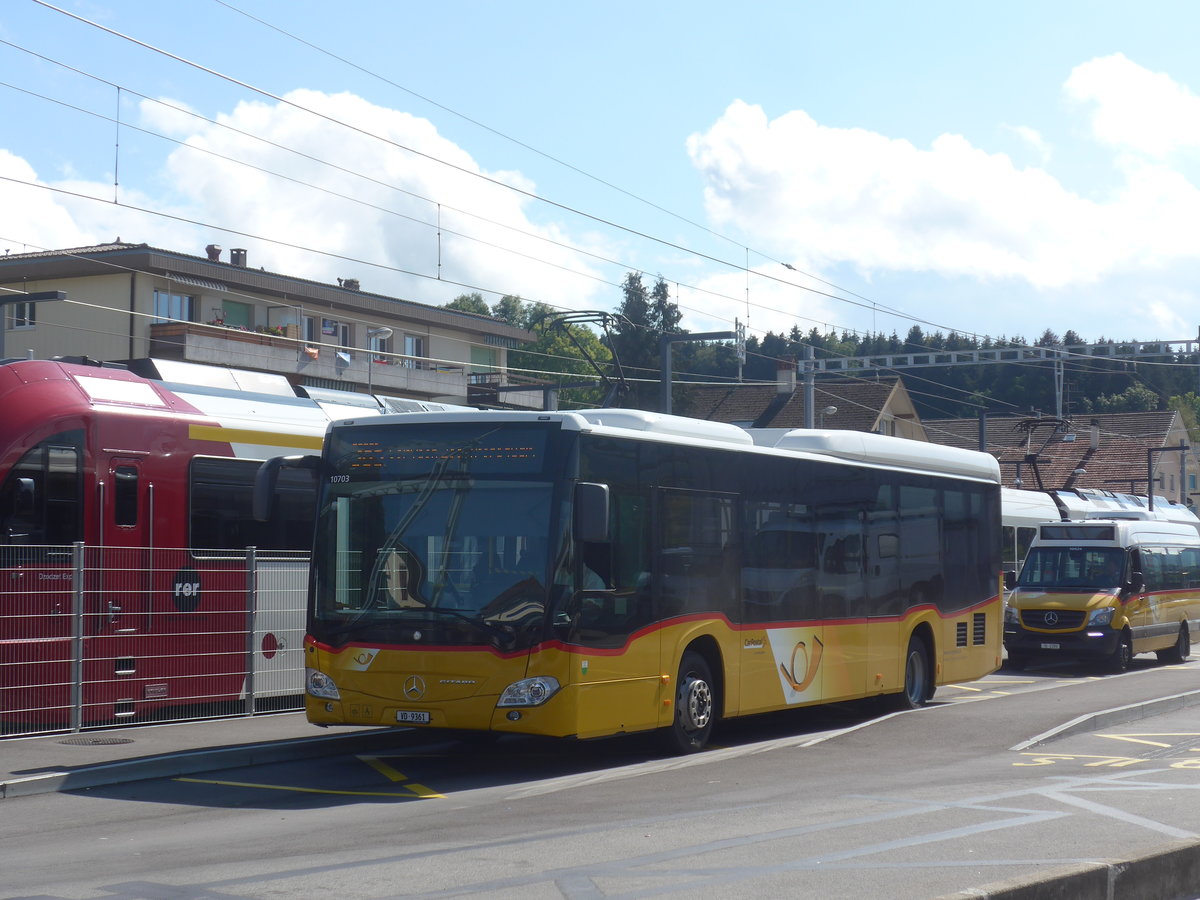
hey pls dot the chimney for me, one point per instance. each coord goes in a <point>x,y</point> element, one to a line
<point>237,257</point>
<point>1095,432</point>
<point>214,252</point>
<point>350,284</point>
<point>785,376</point>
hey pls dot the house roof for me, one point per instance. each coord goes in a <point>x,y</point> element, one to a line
<point>858,403</point>
<point>123,257</point>
<point>1116,463</point>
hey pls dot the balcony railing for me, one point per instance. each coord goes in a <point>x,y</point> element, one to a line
<point>351,368</point>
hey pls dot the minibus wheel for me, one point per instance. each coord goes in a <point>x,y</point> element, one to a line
<point>1016,662</point>
<point>1122,656</point>
<point>1181,649</point>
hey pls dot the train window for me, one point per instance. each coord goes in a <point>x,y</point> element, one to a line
<point>40,500</point>
<point>125,495</point>
<point>220,514</point>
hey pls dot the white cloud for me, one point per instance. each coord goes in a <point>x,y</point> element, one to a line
<point>37,218</point>
<point>1032,138</point>
<point>1136,109</point>
<point>376,216</point>
<point>396,185</point>
<point>823,196</point>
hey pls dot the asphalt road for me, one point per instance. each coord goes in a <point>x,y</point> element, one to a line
<point>830,803</point>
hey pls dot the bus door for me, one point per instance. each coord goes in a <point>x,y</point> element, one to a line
<point>118,579</point>
<point>696,572</point>
<point>842,605</point>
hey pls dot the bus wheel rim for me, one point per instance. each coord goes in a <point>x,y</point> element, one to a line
<point>697,704</point>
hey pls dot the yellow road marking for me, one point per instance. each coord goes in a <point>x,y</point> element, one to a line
<point>1134,740</point>
<point>383,768</point>
<point>416,790</point>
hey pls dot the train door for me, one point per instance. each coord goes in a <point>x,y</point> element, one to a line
<point>40,520</point>
<point>118,578</point>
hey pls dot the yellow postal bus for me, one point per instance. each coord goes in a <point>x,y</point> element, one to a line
<point>594,573</point>
<point>1106,591</point>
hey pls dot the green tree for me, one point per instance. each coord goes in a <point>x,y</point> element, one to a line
<point>1135,398</point>
<point>646,315</point>
<point>554,356</point>
<point>471,303</point>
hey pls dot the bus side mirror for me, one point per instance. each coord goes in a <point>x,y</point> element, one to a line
<point>1136,582</point>
<point>262,504</point>
<point>591,512</point>
<point>1010,579</point>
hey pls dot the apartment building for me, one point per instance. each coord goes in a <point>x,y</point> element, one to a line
<point>130,301</point>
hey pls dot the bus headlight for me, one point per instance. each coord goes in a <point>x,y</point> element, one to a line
<point>1100,617</point>
<point>1012,615</point>
<point>529,691</point>
<point>318,684</point>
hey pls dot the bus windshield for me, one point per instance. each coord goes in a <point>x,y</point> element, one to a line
<point>432,544</point>
<point>1074,568</point>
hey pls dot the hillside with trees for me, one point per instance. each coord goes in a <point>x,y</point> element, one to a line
<point>1091,385</point>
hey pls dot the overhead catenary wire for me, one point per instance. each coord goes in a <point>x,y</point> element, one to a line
<point>874,304</point>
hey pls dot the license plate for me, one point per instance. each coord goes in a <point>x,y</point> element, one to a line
<point>412,718</point>
<point>1051,646</point>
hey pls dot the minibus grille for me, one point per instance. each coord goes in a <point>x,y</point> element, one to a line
<point>1053,619</point>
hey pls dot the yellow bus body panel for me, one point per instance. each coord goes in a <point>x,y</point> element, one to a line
<point>607,691</point>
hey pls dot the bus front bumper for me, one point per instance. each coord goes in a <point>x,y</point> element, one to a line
<point>1088,643</point>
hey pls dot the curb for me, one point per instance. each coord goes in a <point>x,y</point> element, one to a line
<point>1169,874</point>
<point>1116,716</point>
<point>172,765</point>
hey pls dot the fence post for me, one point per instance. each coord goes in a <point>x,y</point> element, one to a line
<point>77,564</point>
<point>251,624</point>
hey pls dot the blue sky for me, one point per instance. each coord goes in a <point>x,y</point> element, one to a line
<point>997,170</point>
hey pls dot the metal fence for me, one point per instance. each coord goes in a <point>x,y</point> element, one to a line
<point>94,637</point>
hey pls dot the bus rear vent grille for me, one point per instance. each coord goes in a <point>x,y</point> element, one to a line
<point>960,634</point>
<point>980,635</point>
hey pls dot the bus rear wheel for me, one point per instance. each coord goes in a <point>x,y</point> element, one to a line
<point>918,677</point>
<point>695,706</point>
<point>1180,650</point>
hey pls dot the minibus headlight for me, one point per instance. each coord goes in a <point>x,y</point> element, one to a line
<point>1100,617</point>
<point>321,685</point>
<point>529,691</point>
<point>1012,615</point>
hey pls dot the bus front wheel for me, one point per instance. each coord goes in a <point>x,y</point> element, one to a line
<point>694,706</point>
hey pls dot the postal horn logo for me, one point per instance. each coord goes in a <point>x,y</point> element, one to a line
<point>800,680</point>
<point>414,687</point>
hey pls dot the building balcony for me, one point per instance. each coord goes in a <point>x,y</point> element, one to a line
<point>344,368</point>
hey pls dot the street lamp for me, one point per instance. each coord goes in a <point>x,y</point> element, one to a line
<point>827,411</point>
<point>382,333</point>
